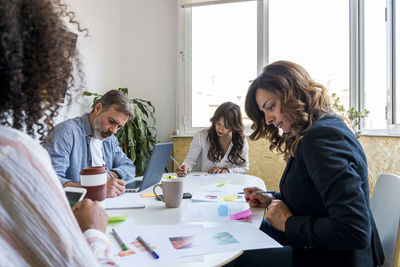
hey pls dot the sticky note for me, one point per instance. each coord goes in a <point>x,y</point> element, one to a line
<point>223,183</point>
<point>223,210</point>
<point>229,198</point>
<point>148,195</point>
<point>117,219</point>
<point>240,215</point>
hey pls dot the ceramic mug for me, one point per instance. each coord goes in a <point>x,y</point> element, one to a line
<point>172,192</point>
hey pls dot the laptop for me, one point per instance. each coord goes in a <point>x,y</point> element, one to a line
<point>155,168</point>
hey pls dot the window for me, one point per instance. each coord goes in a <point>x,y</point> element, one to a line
<point>222,58</point>
<point>347,45</point>
<point>375,94</point>
<point>317,38</point>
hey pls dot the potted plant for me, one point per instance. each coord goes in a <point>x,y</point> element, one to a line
<point>352,116</point>
<point>137,137</point>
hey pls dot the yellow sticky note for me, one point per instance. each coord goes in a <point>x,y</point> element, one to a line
<point>148,195</point>
<point>229,198</point>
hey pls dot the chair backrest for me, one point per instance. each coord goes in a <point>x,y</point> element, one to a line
<point>385,207</point>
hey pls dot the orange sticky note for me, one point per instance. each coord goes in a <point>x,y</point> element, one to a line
<point>148,195</point>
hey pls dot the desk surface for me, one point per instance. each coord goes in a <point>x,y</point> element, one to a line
<point>157,209</point>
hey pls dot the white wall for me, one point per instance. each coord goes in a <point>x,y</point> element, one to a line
<point>148,57</point>
<point>100,51</point>
<point>133,44</point>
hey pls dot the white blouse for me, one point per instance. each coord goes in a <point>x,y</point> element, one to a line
<point>37,226</point>
<point>197,159</point>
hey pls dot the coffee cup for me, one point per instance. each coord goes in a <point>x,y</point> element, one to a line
<point>172,192</point>
<point>94,179</point>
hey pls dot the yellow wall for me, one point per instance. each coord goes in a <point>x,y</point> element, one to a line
<point>383,156</point>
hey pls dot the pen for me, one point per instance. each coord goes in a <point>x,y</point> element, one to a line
<point>149,249</point>
<point>260,192</point>
<point>124,247</point>
<point>177,164</point>
<point>109,173</point>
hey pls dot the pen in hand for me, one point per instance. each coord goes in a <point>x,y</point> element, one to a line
<point>120,242</point>
<point>177,165</point>
<point>149,249</point>
<point>109,173</point>
<point>260,192</point>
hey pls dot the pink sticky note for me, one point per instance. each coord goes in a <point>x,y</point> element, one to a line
<point>240,215</point>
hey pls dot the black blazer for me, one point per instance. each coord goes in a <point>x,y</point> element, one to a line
<point>326,188</point>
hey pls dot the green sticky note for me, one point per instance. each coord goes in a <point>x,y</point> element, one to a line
<point>117,219</point>
<point>223,183</point>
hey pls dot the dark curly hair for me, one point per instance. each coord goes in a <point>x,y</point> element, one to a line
<point>233,122</point>
<point>36,63</point>
<point>302,100</point>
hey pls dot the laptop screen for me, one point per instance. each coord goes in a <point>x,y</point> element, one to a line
<point>155,167</point>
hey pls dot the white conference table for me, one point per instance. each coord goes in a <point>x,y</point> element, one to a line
<point>157,209</point>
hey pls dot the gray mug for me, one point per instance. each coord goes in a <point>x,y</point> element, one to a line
<point>172,192</point>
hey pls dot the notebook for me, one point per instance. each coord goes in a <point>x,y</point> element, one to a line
<point>155,168</point>
<point>125,201</point>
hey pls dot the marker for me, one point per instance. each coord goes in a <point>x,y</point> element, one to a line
<point>122,244</point>
<point>149,249</point>
<point>177,165</point>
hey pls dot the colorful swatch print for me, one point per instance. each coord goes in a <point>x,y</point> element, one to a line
<point>128,252</point>
<point>224,238</point>
<point>182,242</point>
<point>140,246</point>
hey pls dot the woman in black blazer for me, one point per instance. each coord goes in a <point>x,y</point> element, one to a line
<point>321,215</point>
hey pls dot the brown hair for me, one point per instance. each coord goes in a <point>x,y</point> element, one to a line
<point>302,101</point>
<point>233,121</point>
<point>119,99</point>
<point>36,60</point>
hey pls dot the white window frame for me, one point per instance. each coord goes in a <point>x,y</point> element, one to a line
<point>356,86</point>
<point>392,129</point>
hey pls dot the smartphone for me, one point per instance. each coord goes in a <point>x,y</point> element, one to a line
<point>74,194</point>
<point>185,195</point>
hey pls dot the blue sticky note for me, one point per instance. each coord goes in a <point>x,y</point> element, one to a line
<point>223,210</point>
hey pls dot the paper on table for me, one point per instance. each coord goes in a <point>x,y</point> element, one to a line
<point>230,237</point>
<point>125,201</point>
<point>211,211</point>
<point>224,197</point>
<point>227,187</point>
<point>136,254</point>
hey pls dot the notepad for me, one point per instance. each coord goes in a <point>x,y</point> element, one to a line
<point>125,201</point>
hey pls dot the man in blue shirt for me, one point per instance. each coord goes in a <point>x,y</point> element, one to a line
<point>90,141</point>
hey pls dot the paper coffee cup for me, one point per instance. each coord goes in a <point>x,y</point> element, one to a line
<point>94,179</point>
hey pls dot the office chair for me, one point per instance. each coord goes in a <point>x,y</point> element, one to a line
<point>385,207</point>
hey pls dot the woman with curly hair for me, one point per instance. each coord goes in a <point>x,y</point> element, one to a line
<point>220,148</point>
<point>321,215</point>
<point>37,226</point>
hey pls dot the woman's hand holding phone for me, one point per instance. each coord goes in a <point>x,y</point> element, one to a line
<point>90,215</point>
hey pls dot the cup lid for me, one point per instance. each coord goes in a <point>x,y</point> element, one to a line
<point>93,170</point>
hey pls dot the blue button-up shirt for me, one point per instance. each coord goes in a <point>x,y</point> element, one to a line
<point>68,146</point>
